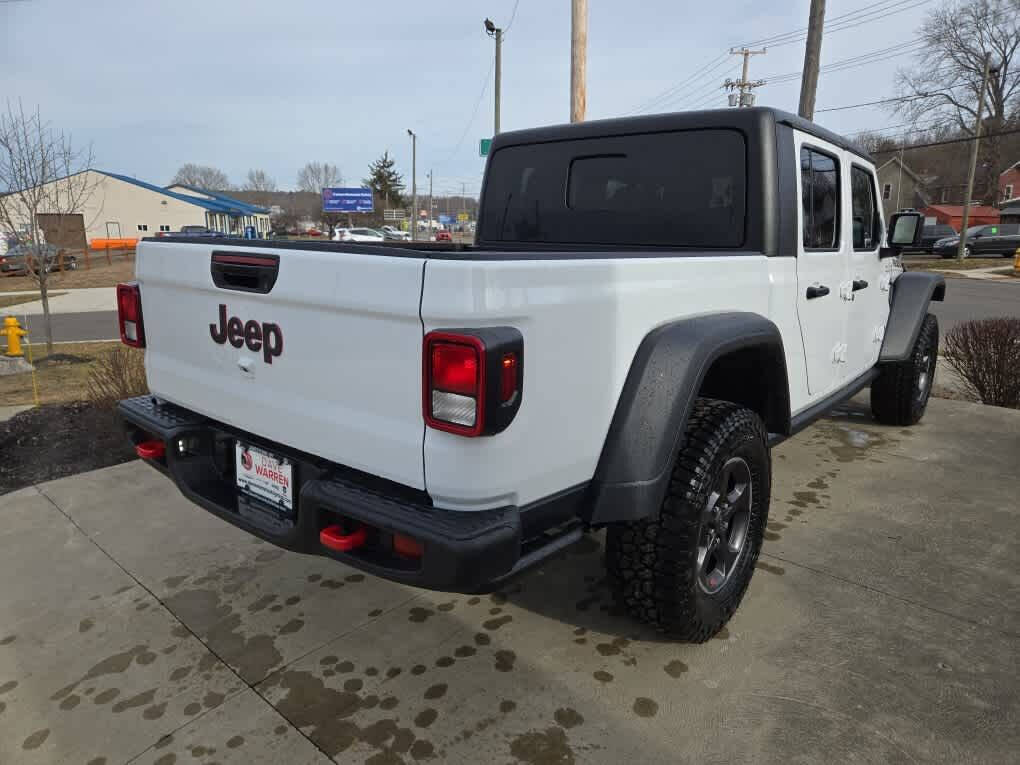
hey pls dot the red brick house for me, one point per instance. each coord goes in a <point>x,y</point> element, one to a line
<point>953,215</point>
<point>1009,185</point>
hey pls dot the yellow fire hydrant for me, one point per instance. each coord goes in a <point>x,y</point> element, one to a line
<point>1016,262</point>
<point>14,333</point>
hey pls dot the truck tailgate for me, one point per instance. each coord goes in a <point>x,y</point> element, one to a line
<point>346,383</point>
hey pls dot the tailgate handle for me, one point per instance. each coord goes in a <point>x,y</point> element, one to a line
<point>244,273</point>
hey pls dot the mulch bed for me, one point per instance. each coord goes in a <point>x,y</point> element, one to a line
<point>56,440</point>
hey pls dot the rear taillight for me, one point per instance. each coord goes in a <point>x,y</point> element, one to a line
<point>472,379</point>
<point>129,313</point>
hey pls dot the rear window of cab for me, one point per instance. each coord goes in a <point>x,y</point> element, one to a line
<point>677,189</point>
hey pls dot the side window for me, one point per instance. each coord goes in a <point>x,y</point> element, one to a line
<point>819,181</point>
<point>887,191</point>
<point>864,210</point>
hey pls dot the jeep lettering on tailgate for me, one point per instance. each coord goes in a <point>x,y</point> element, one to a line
<point>267,337</point>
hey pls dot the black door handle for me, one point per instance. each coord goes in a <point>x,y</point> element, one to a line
<point>860,284</point>
<point>817,292</point>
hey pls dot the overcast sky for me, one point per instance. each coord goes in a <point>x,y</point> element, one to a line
<point>242,85</point>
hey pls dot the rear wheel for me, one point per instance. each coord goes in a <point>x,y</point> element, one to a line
<point>686,571</point>
<point>900,394</point>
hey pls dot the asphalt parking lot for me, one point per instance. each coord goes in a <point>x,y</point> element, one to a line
<point>881,627</point>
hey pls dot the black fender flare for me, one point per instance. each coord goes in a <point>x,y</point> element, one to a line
<point>665,377</point>
<point>908,304</point>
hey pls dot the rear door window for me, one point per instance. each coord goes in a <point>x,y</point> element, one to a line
<point>679,189</point>
<point>819,189</point>
<point>865,211</point>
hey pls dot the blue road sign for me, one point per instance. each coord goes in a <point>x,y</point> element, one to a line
<point>347,200</point>
<point>446,219</point>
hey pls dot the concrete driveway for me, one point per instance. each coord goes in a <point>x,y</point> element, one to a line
<point>881,627</point>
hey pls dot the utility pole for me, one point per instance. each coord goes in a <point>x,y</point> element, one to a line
<point>744,86</point>
<point>414,187</point>
<point>430,204</point>
<point>973,157</point>
<point>496,33</point>
<point>463,197</point>
<point>578,59</point>
<point>812,55</point>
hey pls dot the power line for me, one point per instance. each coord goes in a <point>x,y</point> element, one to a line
<point>908,147</point>
<point>871,103</point>
<point>513,16</point>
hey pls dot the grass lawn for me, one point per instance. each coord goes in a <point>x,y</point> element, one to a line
<point>951,264</point>
<point>99,273</point>
<point>9,300</point>
<point>61,379</point>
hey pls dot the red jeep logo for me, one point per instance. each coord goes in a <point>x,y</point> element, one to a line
<point>265,337</point>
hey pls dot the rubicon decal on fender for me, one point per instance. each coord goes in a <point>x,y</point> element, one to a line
<point>266,337</point>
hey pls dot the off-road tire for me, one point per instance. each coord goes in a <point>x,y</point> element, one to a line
<point>899,395</point>
<point>652,564</point>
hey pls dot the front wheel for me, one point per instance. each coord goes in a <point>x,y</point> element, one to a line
<point>900,393</point>
<point>686,570</point>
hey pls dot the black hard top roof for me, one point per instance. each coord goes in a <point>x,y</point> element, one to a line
<point>758,117</point>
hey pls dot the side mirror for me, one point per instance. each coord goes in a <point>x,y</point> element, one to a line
<point>905,229</point>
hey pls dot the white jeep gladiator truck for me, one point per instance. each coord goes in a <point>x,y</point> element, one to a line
<point>650,305</point>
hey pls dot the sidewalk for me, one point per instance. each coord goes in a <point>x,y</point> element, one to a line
<point>86,300</point>
<point>976,273</point>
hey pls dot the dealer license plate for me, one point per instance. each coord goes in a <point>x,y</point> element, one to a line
<point>265,476</point>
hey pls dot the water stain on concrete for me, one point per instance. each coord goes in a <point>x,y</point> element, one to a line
<point>141,606</point>
<point>180,673</point>
<point>548,747</point>
<point>97,761</point>
<point>568,718</point>
<point>778,570</point>
<point>507,706</point>
<point>602,676</point>
<point>3,707</point>
<point>192,709</point>
<point>771,536</point>
<point>372,671</point>
<point>392,672</point>
<point>354,684</point>
<point>464,651</point>
<point>505,660</point>
<point>614,648</point>
<point>355,578</point>
<point>819,484</point>
<point>70,702</point>
<point>422,750</point>
<point>371,701</point>
<point>445,661</point>
<point>105,697</point>
<point>235,741</point>
<point>426,717</point>
<point>145,658</point>
<point>495,611</point>
<point>112,665</point>
<point>494,624</point>
<point>418,669</point>
<point>253,656</point>
<point>722,634</point>
<point>10,685</point>
<point>8,640</point>
<point>294,625</point>
<point>293,600</point>
<point>86,624</point>
<point>446,606</point>
<point>212,699</point>
<point>482,639</point>
<point>474,601</point>
<point>390,702</point>
<point>36,740</point>
<point>419,614</point>
<point>173,582</point>
<point>313,578</point>
<point>154,712</point>
<point>675,668</point>
<point>331,584</point>
<point>345,666</point>
<point>279,730</point>
<point>138,700</point>
<point>436,691</point>
<point>167,759</point>
<point>261,604</point>
<point>645,707</point>
<point>267,556</point>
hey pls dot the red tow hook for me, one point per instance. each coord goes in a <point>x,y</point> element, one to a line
<point>334,538</point>
<point>150,450</point>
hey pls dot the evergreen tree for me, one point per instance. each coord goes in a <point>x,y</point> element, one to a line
<point>385,182</point>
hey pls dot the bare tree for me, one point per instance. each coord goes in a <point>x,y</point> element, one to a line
<point>202,177</point>
<point>258,180</point>
<point>316,176</point>
<point>41,173</point>
<point>942,88</point>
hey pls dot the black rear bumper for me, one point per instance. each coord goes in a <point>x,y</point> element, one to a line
<point>461,551</point>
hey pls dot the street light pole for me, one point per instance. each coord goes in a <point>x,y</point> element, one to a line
<point>414,186</point>
<point>973,159</point>
<point>496,33</point>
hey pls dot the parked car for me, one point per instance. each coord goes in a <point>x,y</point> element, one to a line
<point>20,257</point>
<point>368,235</point>
<point>444,236</point>
<point>986,240</point>
<point>934,233</point>
<point>391,233</point>
<point>683,312</point>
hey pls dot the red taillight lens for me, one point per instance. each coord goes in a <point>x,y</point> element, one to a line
<point>454,383</point>
<point>472,379</point>
<point>455,368</point>
<point>129,313</point>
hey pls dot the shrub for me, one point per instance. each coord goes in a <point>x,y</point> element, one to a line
<point>116,375</point>
<point>986,355</point>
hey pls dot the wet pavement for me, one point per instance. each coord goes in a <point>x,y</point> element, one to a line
<point>881,626</point>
